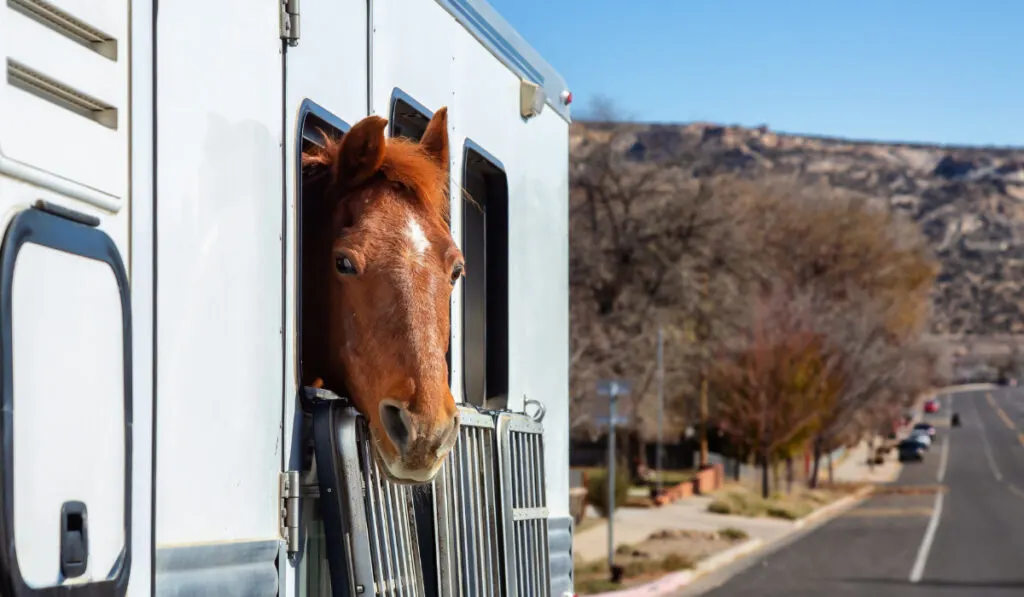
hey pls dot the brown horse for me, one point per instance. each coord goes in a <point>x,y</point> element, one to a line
<point>379,269</point>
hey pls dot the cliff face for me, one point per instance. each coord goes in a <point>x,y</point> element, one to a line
<point>969,202</point>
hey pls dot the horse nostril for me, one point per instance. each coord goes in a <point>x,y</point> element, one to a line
<point>450,436</point>
<point>394,426</point>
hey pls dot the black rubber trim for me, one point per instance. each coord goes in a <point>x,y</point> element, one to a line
<point>333,498</point>
<point>68,235</point>
<point>308,108</point>
<point>67,213</point>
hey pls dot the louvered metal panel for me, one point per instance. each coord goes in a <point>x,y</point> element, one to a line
<point>490,515</point>
<point>524,506</point>
<point>368,521</point>
<point>388,507</point>
<point>466,512</point>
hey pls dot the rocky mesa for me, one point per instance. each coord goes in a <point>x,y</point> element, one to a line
<point>969,201</point>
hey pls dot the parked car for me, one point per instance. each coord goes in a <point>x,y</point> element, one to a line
<point>910,451</point>
<point>925,427</point>
<point>931,406</point>
<point>922,438</point>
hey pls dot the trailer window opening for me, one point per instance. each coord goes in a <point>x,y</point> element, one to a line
<point>409,119</point>
<point>314,123</point>
<point>485,287</point>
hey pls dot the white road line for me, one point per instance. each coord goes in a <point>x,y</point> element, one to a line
<point>926,544</point>
<point>985,444</point>
<point>944,458</point>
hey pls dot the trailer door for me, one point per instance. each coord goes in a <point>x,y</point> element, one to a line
<point>74,469</point>
<point>325,91</point>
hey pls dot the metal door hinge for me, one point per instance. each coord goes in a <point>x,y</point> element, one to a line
<point>290,21</point>
<point>290,510</point>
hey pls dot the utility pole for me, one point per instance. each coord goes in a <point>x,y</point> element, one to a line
<point>661,405</point>
<point>613,397</point>
<point>612,388</point>
<point>706,334</point>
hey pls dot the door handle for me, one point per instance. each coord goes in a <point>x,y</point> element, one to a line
<point>74,539</point>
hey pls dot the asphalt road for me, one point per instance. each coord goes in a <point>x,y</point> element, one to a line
<point>909,541</point>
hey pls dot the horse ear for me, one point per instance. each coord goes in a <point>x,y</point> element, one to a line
<point>435,138</point>
<point>361,151</point>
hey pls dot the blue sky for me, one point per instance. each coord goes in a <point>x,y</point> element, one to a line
<point>907,70</point>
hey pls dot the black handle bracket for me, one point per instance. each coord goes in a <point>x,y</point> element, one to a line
<point>74,539</point>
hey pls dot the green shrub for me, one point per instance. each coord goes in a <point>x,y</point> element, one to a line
<point>675,561</point>
<point>720,506</point>
<point>739,503</point>
<point>733,534</point>
<point>790,511</point>
<point>597,489</point>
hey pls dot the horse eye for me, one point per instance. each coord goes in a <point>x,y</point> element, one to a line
<point>456,272</point>
<point>344,266</point>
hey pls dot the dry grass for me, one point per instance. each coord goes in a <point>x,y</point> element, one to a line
<point>661,553</point>
<point>738,500</point>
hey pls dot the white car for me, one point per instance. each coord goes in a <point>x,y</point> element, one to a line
<point>921,436</point>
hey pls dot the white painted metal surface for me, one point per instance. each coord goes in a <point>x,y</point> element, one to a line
<point>138,258</point>
<point>535,156</point>
<point>80,157</point>
<point>68,408</point>
<point>219,289</point>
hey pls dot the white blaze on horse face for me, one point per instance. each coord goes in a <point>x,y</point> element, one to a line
<point>417,237</point>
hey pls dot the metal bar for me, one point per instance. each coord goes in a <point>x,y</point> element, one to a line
<point>611,480</point>
<point>661,406</point>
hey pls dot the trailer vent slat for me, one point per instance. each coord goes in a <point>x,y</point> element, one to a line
<point>67,25</point>
<point>57,93</point>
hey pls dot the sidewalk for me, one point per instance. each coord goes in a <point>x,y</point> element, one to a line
<point>633,525</point>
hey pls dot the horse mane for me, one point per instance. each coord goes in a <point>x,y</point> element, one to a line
<point>405,163</point>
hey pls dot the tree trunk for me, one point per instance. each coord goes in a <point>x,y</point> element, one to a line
<point>775,475</point>
<point>813,481</point>
<point>632,455</point>
<point>789,474</point>
<point>764,475</point>
<point>703,423</point>
<point>831,479</point>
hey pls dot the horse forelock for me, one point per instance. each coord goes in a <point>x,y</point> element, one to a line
<point>405,163</point>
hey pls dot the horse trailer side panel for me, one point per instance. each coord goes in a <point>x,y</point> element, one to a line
<point>411,54</point>
<point>534,155</point>
<point>219,272</point>
<point>538,282</point>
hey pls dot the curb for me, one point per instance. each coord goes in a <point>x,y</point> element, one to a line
<point>678,580</point>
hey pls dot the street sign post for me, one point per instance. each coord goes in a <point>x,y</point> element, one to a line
<point>613,388</point>
<point>661,405</point>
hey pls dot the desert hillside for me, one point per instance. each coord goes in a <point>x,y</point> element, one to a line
<point>969,202</point>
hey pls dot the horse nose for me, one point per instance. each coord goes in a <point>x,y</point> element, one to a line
<point>396,425</point>
<point>450,436</point>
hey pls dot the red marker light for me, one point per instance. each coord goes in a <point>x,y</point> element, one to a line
<point>566,97</point>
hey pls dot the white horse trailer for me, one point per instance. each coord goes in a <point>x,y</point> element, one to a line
<point>155,437</point>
